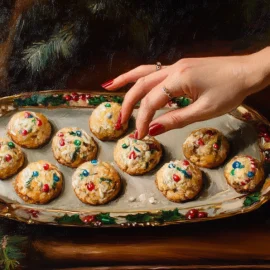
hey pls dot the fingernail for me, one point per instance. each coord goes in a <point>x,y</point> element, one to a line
<point>108,83</point>
<point>156,129</point>
<point>136,134</point>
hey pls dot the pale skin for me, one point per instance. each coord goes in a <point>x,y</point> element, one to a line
<point>217,85</point>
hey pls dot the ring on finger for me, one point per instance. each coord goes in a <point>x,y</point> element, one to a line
<point>167,92</point>
<point>158,66</point>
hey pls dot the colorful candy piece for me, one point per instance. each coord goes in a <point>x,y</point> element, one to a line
<point>185,162</point>
<point>35,174</point>
<point>200,142</point>
<point>46,166</point>
<point>124,146</point>
<point>176,178</point>
<point>11,145</point>
<point>78,133</point>
<point>62,142</point>
<point>60,134</point>
<point>250,174</point>
<point>171,165</point>
<point>55,178</point>
<point>46,188</point>
<point>85,173</point>
<point>107,105</point>
<point>24,132</point>
<point>215,146</point>
<point>39,122</point>
<point>90,186</point>
<point>236,165</point>
<point>94,162</point>
<point>132,155</point>
<point>8,158</point>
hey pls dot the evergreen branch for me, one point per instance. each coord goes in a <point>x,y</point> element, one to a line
<point>40,54</point>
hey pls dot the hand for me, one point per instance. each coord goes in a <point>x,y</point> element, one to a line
<point>217,85</point>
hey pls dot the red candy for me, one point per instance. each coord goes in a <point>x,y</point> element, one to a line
<point>46,166</point>
<point>8,158</point>
<point>202,215</point>
<point>39,122</point>
<point>176,178</point>
<point>68,97</point>
<point>132,155</point>
<point>24,132</point>
<point>27,115</point>
<point>185,163</point>
<point>89,219</point>
<point>60,134</point>
<point>46,188</point>
<point>90,186</point>
<point>83,96</point>
<point>210,132</point>
<point>216,146</point>
<point>192,213</point>
<point>200,142</point>
<point>76,98</point>
<point>62,142</point>
<point>243,183</point>
<point>117,126</point>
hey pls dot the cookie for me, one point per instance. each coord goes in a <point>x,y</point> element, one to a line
<point>206,147</point>
<point>104,122</point>
<point>39,183</point>
<point>96,182</point>
<point>179,180</point>
<point>244,173</point>
<point>72,146</point>
<point>11,158</point>
<point>137,157</point>
<point>29,129</point>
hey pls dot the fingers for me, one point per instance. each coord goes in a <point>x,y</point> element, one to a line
<point>129,77</point>
<point>195,112</point>
<point>138,91</point>
<point>155,100</point>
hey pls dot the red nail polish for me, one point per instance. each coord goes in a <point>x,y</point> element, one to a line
<point>136,134</point>
<point>156,129</point>
<point>108,83</point>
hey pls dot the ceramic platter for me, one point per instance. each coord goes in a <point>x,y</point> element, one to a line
<point>244,127</point>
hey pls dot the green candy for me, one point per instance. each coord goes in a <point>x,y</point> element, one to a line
<point>107,105</point>
<point>77,142</point>
<point>11,145</point>
<point>124,146</point>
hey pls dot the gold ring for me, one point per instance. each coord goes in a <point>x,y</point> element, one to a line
<point>158,66</point>
<point>167,93</point>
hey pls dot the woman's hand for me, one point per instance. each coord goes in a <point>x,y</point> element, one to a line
<point>217,85</point>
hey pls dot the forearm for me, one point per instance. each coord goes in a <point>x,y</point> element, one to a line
<point>258,71</point>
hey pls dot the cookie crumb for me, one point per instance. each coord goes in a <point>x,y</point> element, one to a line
<point>152,200</point>
<point>142,198</point>
<point>131,199</point>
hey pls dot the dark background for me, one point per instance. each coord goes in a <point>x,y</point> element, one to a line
<point>56,44</point>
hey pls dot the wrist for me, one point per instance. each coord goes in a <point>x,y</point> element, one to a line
<point>258,71</point>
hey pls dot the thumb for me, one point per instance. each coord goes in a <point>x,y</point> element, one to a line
<point>177,118</point>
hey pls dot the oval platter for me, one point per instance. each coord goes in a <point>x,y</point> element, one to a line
<point>140,203</point>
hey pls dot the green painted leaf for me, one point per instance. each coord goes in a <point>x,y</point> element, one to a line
<point>105,218</point>
<point>139,218</point>
<point>66,219</point>
<point>170,215</point>
<point>251,199</point>
<point>96,100</point>
<point>117,99</point>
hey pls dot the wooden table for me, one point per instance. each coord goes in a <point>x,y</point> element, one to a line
<point>240,242</point>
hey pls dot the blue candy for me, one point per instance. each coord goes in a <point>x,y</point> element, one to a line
<point>236,164</point>
<point>35,173</point>
<point>85,173</point>
<point>55,178</point>
<point>78,133</point>
<point>171,165</point>
<point>94,161</point>
<point>250,174</point>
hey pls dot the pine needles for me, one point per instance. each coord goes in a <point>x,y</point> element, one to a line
<point>10,252</point>
<point>41,54</point>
